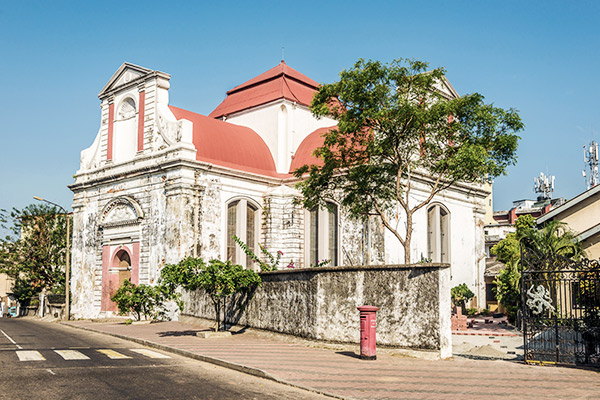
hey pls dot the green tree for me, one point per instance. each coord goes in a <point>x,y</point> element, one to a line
<point>397,130</point>
<point>554,238</point>
<point>34,253</point>
<point>508,251</point>
<point>460,295</point>
<point>145,300</point>
<point>218,279</point>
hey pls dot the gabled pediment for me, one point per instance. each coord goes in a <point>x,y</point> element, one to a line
<point>447,89</point>
<point>126,74</point>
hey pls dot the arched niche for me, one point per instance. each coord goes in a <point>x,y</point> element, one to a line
<point>121,211</point>
<point>125,130</point>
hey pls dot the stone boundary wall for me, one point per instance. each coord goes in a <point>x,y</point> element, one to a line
<point>320,303</point>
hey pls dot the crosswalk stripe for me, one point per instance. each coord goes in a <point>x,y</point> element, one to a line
<point>71,355</point>
<point>113,354</point>
<point>149,353</point>
<point>29,355</point>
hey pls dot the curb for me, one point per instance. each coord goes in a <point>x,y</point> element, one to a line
<point>488,333</point>
<point>212,360</point>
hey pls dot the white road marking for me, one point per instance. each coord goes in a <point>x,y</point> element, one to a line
<point>49,370</point>
<point>149,353</point>
<point>30,355</point>
<point>71,355</point>
<point>9,338</point>
<point>113,354</point>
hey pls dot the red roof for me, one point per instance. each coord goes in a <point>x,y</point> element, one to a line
<point>281,82</point>
<point>304,154</point>
<point>228,145</point>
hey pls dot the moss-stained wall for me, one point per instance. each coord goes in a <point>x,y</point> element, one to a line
<point>320,303</point>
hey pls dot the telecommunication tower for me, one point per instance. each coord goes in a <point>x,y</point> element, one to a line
<point>544,185</point>
<point>590,159</point>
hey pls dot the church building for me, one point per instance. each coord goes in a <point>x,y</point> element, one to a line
<point>160,183</point>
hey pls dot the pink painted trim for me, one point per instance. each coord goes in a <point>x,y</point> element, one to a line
<point>106,304</point>
<point>135,263</point>
<point>110,282</point>
<point>111,117</point>
<point>140,136</point>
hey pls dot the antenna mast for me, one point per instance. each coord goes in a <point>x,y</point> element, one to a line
<point>590,159</point>
<point>544,185</point>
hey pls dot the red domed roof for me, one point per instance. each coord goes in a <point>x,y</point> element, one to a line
<point>281,82</point>
<point>304,154</point>
<point>228,145</point>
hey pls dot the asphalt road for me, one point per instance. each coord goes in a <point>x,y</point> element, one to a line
<point>41,360</point>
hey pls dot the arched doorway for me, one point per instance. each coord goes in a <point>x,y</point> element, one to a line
<point>122,266</point>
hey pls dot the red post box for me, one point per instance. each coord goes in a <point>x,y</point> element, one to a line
<point>368,327</point>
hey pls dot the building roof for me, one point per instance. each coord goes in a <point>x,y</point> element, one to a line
<point>566,206</point>
<point>280,82</point>
<point>304,154</point>
<point>228,145</point>
<point>493,267</point>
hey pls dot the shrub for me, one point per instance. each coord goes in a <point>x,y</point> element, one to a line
<point>140,300</point>
<point>460,295</point>
<point>471,312</point>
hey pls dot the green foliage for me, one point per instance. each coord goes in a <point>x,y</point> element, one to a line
<point>460,295</point>
<point>471,312</point>
<point>140,300</point>
<point>554,238</point>
<point>272,265</point>
<point>34,254</point>
<point>321,263</point>
<point>23,290</point>
<point>485,312</point>
<point>395,125</point>
<point>217,278</point>
<point>508,289</point>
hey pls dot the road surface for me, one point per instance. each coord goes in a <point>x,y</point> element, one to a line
<point>41,360</point>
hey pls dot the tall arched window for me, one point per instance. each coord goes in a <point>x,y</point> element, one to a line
<point>322,235</point>
<point>242,222</point>
<point>125,131</point>
<point>438,233</point>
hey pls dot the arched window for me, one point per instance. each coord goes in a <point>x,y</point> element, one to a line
<point>125,131</point>
<point>322,234</point>
<point>242,222</point>
<point>438,233</point>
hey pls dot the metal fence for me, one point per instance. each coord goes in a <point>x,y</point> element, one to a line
<point>560,309</point>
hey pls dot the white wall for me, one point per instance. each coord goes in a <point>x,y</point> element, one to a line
<point>283,125</point>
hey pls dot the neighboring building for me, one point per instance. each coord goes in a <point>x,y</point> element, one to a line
<point>160,183</point>
<point>6,284</point>
<point>504,223</point>
<point>582,215</point>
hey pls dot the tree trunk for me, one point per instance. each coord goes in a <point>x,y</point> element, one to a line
<point>217,304</point>
<point>408,238</point>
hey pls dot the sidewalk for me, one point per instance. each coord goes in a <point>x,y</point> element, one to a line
<point>337,371</point>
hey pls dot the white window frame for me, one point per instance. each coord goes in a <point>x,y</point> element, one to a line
<point>322,236</point>
<point>241,227</point>
<point>438,233</point>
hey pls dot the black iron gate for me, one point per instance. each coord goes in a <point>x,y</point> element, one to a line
<point>560,309</point>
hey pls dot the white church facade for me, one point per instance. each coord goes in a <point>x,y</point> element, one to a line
<point>161,183</point>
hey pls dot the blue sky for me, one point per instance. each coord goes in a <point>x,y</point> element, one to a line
<point>539,57</point>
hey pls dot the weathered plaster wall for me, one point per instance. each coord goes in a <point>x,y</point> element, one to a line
<point>362,240</point>
<point>282,225</point>
<point>320,303</point>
